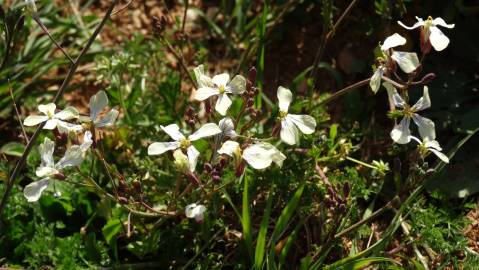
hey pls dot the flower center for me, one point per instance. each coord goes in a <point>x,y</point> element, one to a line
<point>185,143</point>
<point>428,22</point>
<point>222,89</point>
<point>408,112</point>
<point>282,114</point>
<point>50,115</point>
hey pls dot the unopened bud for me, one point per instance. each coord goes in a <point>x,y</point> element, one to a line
<point>346,189</point>
<point>60,176</point>
<point>250,102</point>
<point>193,179</point>
<point>222,163</point>
<point>252,75</point>
<point>123,200</point>
<point>137,186</point>
<point>249,84</point>
<point>428,78</point>
<point>239,169</point>
<point>216,178</point>
<point>207,167</point>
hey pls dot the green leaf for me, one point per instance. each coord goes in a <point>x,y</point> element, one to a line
<point>246,218</point>
<point>111,229</point>
<point>360,263</point>
<point>286,214</point>
<point>13,149</point>
<point>261,240</point>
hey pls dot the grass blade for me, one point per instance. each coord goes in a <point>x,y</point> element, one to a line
<point>246,218</point>
<point>261,240</point>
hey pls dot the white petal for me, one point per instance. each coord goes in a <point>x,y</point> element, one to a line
<point>289,132</point>
<point>206,130</point>
<point>393,41</point>
<point>440,155</point>
<point>237,85</point>
<point>173,130</point>
<point>441,22</point>
<point>73,157</point>
<point>257,156</point>
<point>398,100</point>
<point>407,61</point>
<point>416,139</point>
<point>46,150</point>
<point>416,25</point>
<point>193,155</point>
<point>227,127</point>
<point>433,144</point>
<point>424,102</point>
<point>205,92</point>
<point>45,171</point>
<point>201,78</point>
<point>390,89</point>
<point>97,103</point>
<point>438,40</point>
<point>375,81</point>
<point>222,104</point>
<point>68,113</point>
<point>425,126</point>
<point>199,213</point>
<point>189,210</point>
<point>229,148</point>
<point>401,133</point>
<point>33,191</point>
<point>47,109</point>
<point>33,120</point>
<point>51,124</point>
<point>221,79</point>
<point>108,120</point>
<point>305,123</point>
<point>284,97</point>
<point>65,127</point>
<point>158,148</point>
<point>87,141</point>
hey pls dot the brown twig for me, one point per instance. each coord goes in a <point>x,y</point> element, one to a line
<point>344,91</point>
<point>180,59</point>
<point>45,30</point>
<point>17,112</point>
<point>60,91</point>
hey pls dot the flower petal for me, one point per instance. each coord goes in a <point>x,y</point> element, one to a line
<point>433,144</point>
<point>73,157</point>
<point>108,120</point>
<point>65,127</point>
<point>46,150</point>
<point>284,97</point>
<point>400,133</point>
<point>87,141</point>
<point>45,171</point>
<point>221,79</point>
<point>375,81</point>
<point>158,148</point>
<point>420,22</point>
<point>189,210</point>
<point>305,123</point>
<point>97,103</point>
<point>391,90</point>
<point>393,41</point>
<point>47,109</point>
<point>33,191</point>
<point>51,124</point>
<point>193,155</point>
<point>425,126</point>
<point>438,40</point>
<point>289,132</point>
<point>441,22</point>
<point>201,78</point>
<point>237,85</point>
<point>68,113</point>
<point>33,120</point>
<point>440,155</point>
<point>205,92</point>
<point>229,148</point>
<point>407,61</point>
<point>173,130</point>
<point>222,104</point>
<point>206,130</point>
<point>424,102</point>
<point>227,127</point>
<point>257,156</point>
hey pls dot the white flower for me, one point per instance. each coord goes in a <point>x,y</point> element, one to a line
<point>181,161</point>
<point>258,155</point>
<point>432,146</point>
<point>31,6</point>
<point>290,123</point>
<point>220,85</point>
<point>180,141</point>
<point>195,211</point>
<point>431,32</point>
<point>407,61</point>
<point>97,103</point>
<point>53,119</point>
<point>401,133</point>
<point>227,128</point>
<point>48,169</point>
<point>87,141</point>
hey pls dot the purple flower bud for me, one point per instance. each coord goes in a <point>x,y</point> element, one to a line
<point>123,200</point>
<point>208,168</point>
<point>252,75</point>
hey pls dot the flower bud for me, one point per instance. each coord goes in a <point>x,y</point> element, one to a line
<point>249,84</point>
<point>123,200</point>
<point>137,186</point>
<point>193,178</point>
<point>207,167</point>
<point>428,78</point>
<point>83,230</point>
<point>216,178</point>
<point>239,169</point>
<point>252,75</point>
<point>250,102</point>
<point>346,189</point>
<point>222,163</point>
<point>60,176</point>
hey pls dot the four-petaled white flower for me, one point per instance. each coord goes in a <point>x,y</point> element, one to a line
<point>259,155</point>
<point>220,86</point>
<point>195,211</point>
<point>431,32</point>
<point>53,119</point>
<point>401,132</point>
<point>180,141</point>
<point>98,102</point>
<point>407,61</point>
<point>432,146</point>
<point>48,168</point>
<point>290,123</point>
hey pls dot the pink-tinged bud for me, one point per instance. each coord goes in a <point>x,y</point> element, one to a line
<point>137,186</point>
<point>346,189</point>
<point>428,78</point>
<point>249,84</point>
<point>60,176</point>
<point>250,102</point>
<point>193,178</point>
<point>216,178</point>
<point>222,163</point>
<point>239,169</point>
<point>252,75</point>
<point>123,200</point>
<point>425,41</point>
<point>207,167</point>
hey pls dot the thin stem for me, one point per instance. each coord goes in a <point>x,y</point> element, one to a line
<point>60,91</point>
<point>344,91</point>
<point>180,59</point>
<point>361,162</point>
<point>45,30</point>
<point>17,112</point>
<point>184,16</point>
